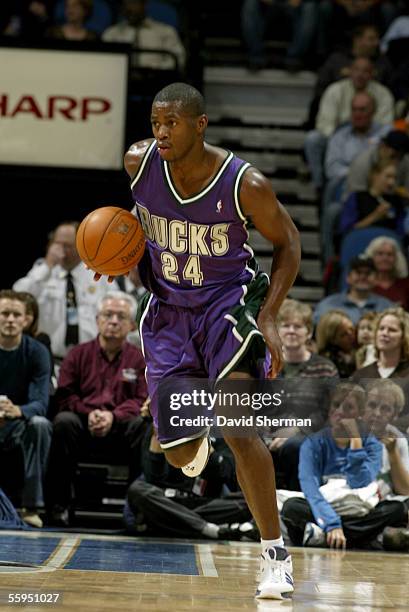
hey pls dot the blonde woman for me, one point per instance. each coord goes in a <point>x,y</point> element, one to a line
<point>391,267</point>
<point>391,347</point>
<point>335,336</point>
<point>392,355</point>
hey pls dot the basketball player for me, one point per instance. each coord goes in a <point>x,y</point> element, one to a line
<point>199,320</point>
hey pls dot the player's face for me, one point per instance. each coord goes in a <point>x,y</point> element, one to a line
<point>114,320</point>
<point>12,318</point>
<point>175,132</point>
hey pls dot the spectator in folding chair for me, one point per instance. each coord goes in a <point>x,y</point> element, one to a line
<point>101,388</point>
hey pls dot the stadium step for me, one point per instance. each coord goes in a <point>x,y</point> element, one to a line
<point>263,98</point>
<point>260,117</point>
<point>270,138</point>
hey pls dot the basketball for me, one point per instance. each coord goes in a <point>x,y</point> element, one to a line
<point>110,241</point>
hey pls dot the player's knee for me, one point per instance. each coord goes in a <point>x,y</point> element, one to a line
<point>180,456</point>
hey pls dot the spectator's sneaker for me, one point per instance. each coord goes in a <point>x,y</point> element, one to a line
<point>276,574</point>
<point>314,536</point>
<point>396,538</point>
<point>198,464</point>
<point>59,517</point>
<point>30,516</point>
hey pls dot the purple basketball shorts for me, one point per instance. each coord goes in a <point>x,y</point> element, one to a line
<point>199,343</point>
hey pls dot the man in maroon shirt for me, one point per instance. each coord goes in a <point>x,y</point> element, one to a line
<point>101,388</point>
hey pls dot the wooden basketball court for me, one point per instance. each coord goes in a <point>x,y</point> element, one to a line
<point>103,573</point>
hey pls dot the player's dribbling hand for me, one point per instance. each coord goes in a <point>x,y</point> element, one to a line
<point>267,326</point>
<point>97,276</point>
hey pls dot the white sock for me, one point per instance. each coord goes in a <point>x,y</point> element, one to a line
<point>265,544</point>
<point>211,530</point>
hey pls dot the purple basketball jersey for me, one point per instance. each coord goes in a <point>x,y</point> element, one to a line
<point>196,246</point>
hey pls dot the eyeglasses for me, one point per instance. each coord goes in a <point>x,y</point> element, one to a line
<point>110,315</point>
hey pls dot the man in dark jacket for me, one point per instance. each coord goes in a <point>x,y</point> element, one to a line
<point>24,389</point>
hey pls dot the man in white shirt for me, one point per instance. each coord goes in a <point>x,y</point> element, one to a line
<point>66,292</point>
<point>144,33</point>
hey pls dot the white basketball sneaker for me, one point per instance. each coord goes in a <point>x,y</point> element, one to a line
<point>276,574</point>
<point>198,464</point>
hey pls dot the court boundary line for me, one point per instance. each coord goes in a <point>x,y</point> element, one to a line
<point>57,559</point>
<point>206,561</point>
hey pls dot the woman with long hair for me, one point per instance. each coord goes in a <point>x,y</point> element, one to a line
<point>32,316</point>
<point>31,328</point>
<point>335,335</point>
<point>392,355</point>
<point>391,347</point>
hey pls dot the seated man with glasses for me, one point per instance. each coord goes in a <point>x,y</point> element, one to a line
<point>101,388</point>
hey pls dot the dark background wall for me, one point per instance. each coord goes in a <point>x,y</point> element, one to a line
<point>34,201</point>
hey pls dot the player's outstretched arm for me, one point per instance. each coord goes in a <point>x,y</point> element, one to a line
<point>259,203</point>
<point>134,156</point>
